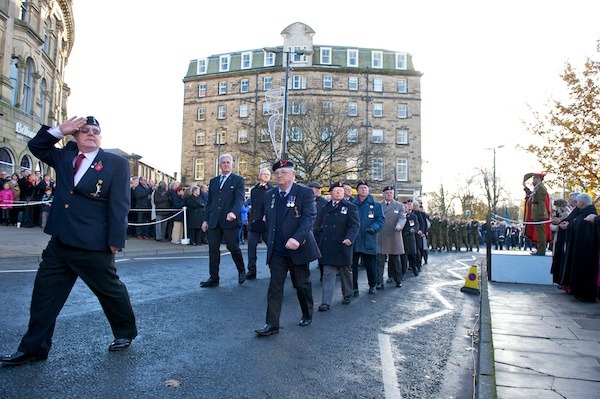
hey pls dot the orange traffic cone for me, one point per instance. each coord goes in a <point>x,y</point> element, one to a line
<point>472,281</point>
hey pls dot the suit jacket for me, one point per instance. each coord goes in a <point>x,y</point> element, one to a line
<point>93,214</point>
<point>257,199</point>
<point>297,223</point>
<point>221,201</point>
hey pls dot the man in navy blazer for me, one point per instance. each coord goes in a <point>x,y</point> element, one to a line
<point>88,224</point>
<point>289,215</point>
<point>223,218</point>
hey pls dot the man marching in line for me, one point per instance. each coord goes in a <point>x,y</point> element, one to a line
<point>289,215</point>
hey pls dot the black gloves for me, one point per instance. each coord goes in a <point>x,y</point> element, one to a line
<point>370,230</point>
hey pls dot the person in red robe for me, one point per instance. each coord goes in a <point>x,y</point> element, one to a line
<point>537,212</point>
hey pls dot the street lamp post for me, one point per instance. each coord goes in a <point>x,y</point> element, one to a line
<point>287,55</point>
<point>488,239</point>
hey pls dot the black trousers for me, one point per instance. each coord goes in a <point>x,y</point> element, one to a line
<point>215,236</point>
<point>61,265</point>
<point>254,238</point>
<point>370,263</point>
<point>300,275</point>
<point>394,269</point>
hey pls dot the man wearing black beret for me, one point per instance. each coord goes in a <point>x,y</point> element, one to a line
<point>289,215</point>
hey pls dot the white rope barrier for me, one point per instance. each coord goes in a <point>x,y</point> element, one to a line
<point>498,217</point>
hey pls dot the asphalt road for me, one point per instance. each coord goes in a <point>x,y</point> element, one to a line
<point>409,342</point>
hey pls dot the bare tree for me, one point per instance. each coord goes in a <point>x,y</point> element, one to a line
<point>323,142</point>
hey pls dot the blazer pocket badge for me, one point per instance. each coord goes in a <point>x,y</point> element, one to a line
<point>98,186</point>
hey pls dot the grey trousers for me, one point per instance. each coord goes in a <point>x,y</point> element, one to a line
<point>329,273</point>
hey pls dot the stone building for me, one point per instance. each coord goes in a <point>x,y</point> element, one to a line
<point>36,38</point>
<point>352,113</point>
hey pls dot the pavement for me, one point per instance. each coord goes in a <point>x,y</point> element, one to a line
<point>536,342</point>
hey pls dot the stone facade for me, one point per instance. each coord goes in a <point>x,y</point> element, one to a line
<point>374,94</point>
<point>36,40</point>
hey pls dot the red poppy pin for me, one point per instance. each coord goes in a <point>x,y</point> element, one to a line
<point>283,162</point>
<point>97,166</point>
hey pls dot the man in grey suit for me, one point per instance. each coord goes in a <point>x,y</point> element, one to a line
<point>88,224</point>
<point>223,218</point>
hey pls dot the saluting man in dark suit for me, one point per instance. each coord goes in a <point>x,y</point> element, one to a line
<point>223,218</point>
<point>289,215</point>
<point>88,224</point>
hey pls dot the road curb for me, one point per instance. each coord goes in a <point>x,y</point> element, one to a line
<point>486,373</point>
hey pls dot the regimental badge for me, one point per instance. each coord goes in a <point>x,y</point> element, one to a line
<point>344,210</point>
<point>273,201</point>
<point>98,186</point>
<point>371,214</point>
<point>296,212</point>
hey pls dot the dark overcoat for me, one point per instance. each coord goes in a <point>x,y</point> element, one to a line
<point>334,225</point>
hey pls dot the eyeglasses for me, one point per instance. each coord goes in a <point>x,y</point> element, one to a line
<point>94,131</point>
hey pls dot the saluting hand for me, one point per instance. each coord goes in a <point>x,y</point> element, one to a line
<point>72,125</point>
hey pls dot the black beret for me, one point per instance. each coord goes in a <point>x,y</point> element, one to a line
<point>362,183</point>
<point>336,184</point>
<point>283,164</point>
<point>90,120</point>
<point>388,188</point>
<point>314,184</point>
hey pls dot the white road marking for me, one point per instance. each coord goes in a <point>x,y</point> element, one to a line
<point>18,271</point>
<point>388,368</point>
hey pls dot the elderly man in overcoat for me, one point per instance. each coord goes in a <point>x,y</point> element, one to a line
<point>337,224</point>
<point>389,239</point>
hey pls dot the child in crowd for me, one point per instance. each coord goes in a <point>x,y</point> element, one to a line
<point>6,203</point>
<point>46,204</point>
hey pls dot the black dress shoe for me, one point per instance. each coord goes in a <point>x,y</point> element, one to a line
<point>119,344</point>
<point>372,290</point>
<point>355,293</point>
<point>250,276</point>
<point>18,358</point>
<point>241,278</point>
<point>305,321</point>
<point>347,300</point>
<point>267,329</point>
<point>380,286</point>
<point>323,307</point>
<point>209,283</point>
<point>398,285</point>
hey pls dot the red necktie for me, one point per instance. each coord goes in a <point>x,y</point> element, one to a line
<point>80,158</point>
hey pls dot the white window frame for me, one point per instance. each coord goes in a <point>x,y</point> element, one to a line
<point>267,83</point>
<point>377,59</point>
<point>352,109</point>
<point>269,59</point>
<point>298,82</point>
<point>201,66</point>
<point>401,169</point>
<point>352,58</point>
<point>221,137</point>
<point>352,135</point>
<point>377,136</point>
<point>353,83</point>
<point>246,60</point>
<point>402,136</point>
<point>201,137</point>
<point>296,134</point>
<point>201,89</point>
<point>242,136</point>
<point>327,107</point>
<point>326,55</point>
<point>242,166</point>
<point>224,62</point>
<point>266,108</point>
<point>244,85</point>
<point>402,112</point>
<point>328,81</point>
<point>222,112</point>
<point>377,169</point>
<point>377,110</point>
<point>243,110</point>
<point>401,62</point>
<point>378,85</point>
<point>402,86</point>
<point>222,88</point>
<point>201,114</point>
<point>264,136</point>
<point>352,164</point>
<point>199,169</point>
